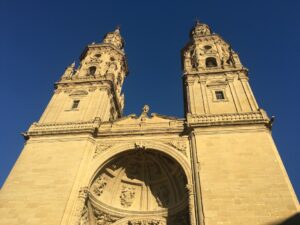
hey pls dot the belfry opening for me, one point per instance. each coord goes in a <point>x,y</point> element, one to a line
<point>139,187</point>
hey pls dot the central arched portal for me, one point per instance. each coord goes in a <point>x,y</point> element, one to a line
<point>139,187</point>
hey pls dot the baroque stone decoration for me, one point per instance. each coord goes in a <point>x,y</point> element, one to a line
<point>86,163</point>
<point>180,146</point>
<point>127,196</point>
<point>101,148</point>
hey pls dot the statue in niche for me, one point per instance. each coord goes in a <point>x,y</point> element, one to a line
<point>69,71</point>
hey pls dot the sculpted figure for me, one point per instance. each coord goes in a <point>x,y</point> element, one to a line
<point>196,56</point>
<point>69,71</point>
<point>111,68</point>
<point>227,57</point>
<point>187,60</point>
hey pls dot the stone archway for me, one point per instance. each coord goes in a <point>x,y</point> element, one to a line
<point>140,188</point>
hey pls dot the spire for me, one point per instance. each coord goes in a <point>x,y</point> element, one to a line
<point>200,29</point>
<point>114,38</point>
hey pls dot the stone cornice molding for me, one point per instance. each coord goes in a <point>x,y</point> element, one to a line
<point>102,45</point>
<point>129,125</point>
<point>259,117</point>
<point>133,125</point>
<point>87,79</point>
<point>40,129</point>
<point>216,71</point>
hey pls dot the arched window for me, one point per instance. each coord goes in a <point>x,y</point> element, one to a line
<point>211,62</point>
<point>92,70</point>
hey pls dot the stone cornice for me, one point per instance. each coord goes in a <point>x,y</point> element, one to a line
<point>259,117</point>
<point>40,129</point>
<point>105,45</point>
<point>155,124</point>
<point>216,71</point>
<point>86,79</point>
<point>129,125</point>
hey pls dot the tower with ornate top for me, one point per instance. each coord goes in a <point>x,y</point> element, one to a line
<point>239,176</point>
<point>94,89</point>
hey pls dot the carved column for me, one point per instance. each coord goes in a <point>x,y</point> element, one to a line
<point>80,206</point>
<point>191,197</point>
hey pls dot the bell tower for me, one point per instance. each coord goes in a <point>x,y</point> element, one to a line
<point>94,89</point>
<point>238,174</point>
<point>222,82</point>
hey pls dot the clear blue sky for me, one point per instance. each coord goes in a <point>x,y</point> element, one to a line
<point>40,38</point>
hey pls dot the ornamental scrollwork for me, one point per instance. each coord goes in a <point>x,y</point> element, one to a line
<point>181,146</point>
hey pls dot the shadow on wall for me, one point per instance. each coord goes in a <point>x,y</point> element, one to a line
<point>293,220</point>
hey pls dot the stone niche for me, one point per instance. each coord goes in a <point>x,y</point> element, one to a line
<point>139,187</point>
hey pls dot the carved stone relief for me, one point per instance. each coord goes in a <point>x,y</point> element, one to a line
<point>145,222</point>
<point>139,183</point>
<point>180,146</point>
<point>99,185</point>
<point>84,218</point>
<point>103,218</point>
<point>127,196</point>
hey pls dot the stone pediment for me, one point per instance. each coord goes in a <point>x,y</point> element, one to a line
<point>143,123</point>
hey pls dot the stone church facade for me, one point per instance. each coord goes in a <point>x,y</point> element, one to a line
<point>84,163</point>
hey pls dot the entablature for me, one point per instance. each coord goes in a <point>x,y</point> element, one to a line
<point>129,125</point>
<point>258,117</point>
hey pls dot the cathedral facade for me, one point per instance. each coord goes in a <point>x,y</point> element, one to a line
<point>84,163</point>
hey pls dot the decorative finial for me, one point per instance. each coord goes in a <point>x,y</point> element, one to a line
<point>118,29</point>
<point>145,111</point>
